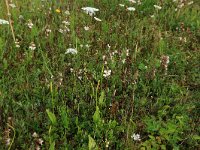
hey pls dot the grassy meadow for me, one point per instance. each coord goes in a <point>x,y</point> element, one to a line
<point>100,74</point>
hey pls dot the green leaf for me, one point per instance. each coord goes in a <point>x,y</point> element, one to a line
<point>142,66</point>
<point>101,99</point>
<point>65,118</point>
<point>196,137</point>
<point>52,117</point>
<point>52,146</point>
<point>96,116</point>
<point>92,144</point>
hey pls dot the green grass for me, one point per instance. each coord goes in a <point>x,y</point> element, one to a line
<point>66,99</point>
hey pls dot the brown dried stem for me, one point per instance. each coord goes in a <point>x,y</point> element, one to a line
<point>9,19</point>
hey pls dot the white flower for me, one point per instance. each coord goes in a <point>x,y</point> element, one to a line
<point>35,135</point>
<point>106,73</point>
<point>87,46</point>
<point>86,28</point>
<point>12,5</point>
<point>7,141</point>
<point>3,21</point>
<point>90,10</point>
<point>61,31</point>
<point>97,19</point>
<point>30,24</point>
<point>157,7</point>
<point>152,16</point>
<point>121,5</point>
<point>32,46</point>
<point>71,51</point>
<point>67,23</point>
<point>67,12</point>
<point>17,44</point>
<point>40,141</point>
<point>136,137</point>
<point>21,17</point>
<point>131,9</point>
<point>191,2</point>
<point>123,61</point>
<point>181,5</point>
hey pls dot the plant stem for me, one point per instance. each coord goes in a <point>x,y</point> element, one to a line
<point>9,19</point>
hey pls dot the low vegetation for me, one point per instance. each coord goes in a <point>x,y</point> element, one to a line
<point>99,74</point>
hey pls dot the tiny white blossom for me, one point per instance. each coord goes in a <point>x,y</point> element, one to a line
<point>21,17</point>
<point>67,12</point>
<point>107,143</point>
<point>152,16</point>
<point>35,135</point>
<point>157,7</point>
<point>12,5</point>
<point>181,5</point>
<point>106,73</point>
<point>97,19</point>
<point>30,24</point>
<point>131,8</point>
<point>66,23</point>
<point>191,2</point>
<point>40,141</point>
<point>121,5</point>
<point>8,141</point>
<point>17,44</point>
<point>3,21</point>
<point>71,51</point>
<point>90,10</point>
<point>86,28</point>
<point>87,45</point>
<point>32,46</point>
<point>61,31</point>
<point>123,61</point>
<point>136,137</point>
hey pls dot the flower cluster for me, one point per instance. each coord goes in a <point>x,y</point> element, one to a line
<point>71,51</point>
<point>3,21</point>
<point>136,137</point>
<point>90,10</point>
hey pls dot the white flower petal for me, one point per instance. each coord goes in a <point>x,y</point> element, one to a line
<point>97,19</point>
<point>71,51</point>
<point>131,8</point>
<point>3,21</point>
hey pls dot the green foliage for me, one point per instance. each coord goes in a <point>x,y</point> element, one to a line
<point>119,84</point>
<point>92,143</point>
<point>52,117</point>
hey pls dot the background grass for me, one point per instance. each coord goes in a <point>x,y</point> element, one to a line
<point>68,102</point>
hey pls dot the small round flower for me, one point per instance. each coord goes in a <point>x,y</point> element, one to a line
<point>32,46</point>
<point>67,12</point>
<point>136,137</point>
<point>107,73</point>
<point>30,24</point>
<point>35,135</point>
<point>86,28</point>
